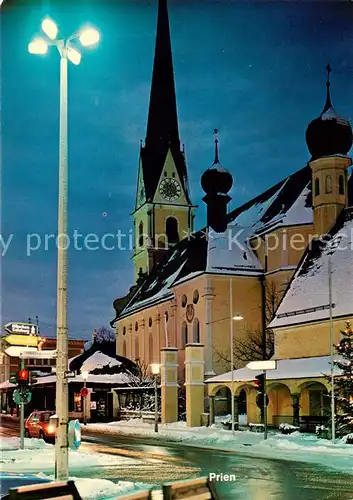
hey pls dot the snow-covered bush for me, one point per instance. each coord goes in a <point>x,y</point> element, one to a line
<point>287,428</point>
<point>322,432</point>
<point>348,439</point>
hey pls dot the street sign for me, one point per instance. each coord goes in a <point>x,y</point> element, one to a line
<point>22,328</point>
<point>84,392</point>
<point>260,400</point>
<point>29,354</point>
<point>21,396</point>
<point>23,340</point>
<point>262,365</point>
<point>15,351</point>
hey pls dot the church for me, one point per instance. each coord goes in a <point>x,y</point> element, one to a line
<point>267,263</point>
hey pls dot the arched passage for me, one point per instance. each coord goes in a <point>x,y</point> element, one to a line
<point>314,399</point>
<point>222,402</point>
<point>171,229</point>
<point>280,407</point>
<point>242,408</point>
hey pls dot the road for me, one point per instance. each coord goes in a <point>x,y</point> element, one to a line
<point>255,478</point>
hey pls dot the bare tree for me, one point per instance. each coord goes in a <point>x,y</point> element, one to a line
<point>104,334</point>
<point>143,378</point>
<point>251,346</point>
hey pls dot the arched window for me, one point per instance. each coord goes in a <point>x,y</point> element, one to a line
<point>184,334</point>
<point>196,331</point>
<point>195,297</point>
<point>317,186</point>
<point>184,300</point>
<point>136,326</point>
<point>124,330</point>
<point>124,348</point>
<point>150,347</point>
<point>328,184</point>
<point>137,354</point>
<point>171,229</point>
<point>340,184</point>
<point>141,234</point>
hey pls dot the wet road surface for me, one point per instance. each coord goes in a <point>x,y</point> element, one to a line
<point>253,478</point>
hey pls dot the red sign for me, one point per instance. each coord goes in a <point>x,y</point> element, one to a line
<point>84,392</point>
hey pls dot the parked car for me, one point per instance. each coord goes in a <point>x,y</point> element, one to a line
<point>38,425</point>
<point>15,480</point>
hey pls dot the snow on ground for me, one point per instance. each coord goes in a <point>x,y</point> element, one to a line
<point>296,446</point>
<point>39,457</point>
<point>93,489</point>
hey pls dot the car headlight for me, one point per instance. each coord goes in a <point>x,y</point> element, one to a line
<point>51,429</point>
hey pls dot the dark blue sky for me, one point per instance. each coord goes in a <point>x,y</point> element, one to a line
<point>256,71</point>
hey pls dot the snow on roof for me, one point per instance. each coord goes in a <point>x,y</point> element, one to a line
<point>98,360</point>
<point>307,298</point>
<point>286,369</point>
<point>230,251</point>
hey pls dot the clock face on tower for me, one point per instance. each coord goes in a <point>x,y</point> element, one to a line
<point>170,189</point>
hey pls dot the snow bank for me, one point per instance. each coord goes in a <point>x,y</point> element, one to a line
<point>15,460</point>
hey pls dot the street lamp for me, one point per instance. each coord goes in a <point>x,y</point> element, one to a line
<point>84,374</point>
<point>67,51</point>
<point>333,416</point>
<point>155,369</point>
<point>235,317</point>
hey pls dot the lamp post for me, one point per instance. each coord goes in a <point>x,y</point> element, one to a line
<point>85,377</point>
<point>233,317</point>
<point>155,369</point>
<point>67,52</point>
<point>333,423</point>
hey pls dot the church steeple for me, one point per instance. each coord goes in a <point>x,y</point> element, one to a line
<point>162,126</point>
<point>163,211</point>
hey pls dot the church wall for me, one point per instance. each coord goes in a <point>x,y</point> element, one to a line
<point>307,340</point>
<point>246,301</point>
<point>285,246</point>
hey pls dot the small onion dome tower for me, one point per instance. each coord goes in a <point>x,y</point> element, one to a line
<point>216,181</point>
<point>329,134</point>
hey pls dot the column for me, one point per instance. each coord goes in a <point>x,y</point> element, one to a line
<point>208,294</point>
<point>296,408</point>
<point>195,386</point>
<point>212,414</point>
<point>236,412</point>
<point>169,384</point>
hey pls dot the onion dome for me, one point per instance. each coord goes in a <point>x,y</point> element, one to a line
<point>216,179</point>
<point>329,134</point>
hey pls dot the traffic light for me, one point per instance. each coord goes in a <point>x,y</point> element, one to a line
<point>260,383</point>
<point>22,377</point>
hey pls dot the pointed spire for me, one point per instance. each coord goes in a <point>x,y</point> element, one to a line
<point>328,104</point>
<point>162,126</point>
<point>216,158</point>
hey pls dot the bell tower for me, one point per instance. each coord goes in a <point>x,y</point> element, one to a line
<point>163,212</point>
<point>329,139</point>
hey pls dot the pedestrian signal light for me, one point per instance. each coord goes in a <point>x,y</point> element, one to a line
<point>23,377</point>
<point>260,382</point>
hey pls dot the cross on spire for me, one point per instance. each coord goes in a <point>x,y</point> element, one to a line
<point>216,158</point>
<point>328,103</point>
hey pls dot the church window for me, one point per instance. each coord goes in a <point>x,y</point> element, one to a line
<point>136,347</point>
<point>150,347</point>
<point>196,331</point>
<point>184,300</point>
<point>328,184</point>
<point>150,321</point>
<point>340,184</point>
<point>317,186</point>
<point>195,297</point>
<point>165,174</point>
<point>171,230</point>
<point>184,334</point>
<point>136,326</point>
<point>124,348</point>
<point>173,174</point>
<point>141,234</point>
<point>124,330</point>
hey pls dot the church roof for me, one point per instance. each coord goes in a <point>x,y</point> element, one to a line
<point>284,204</point>
<point>307,296</point>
